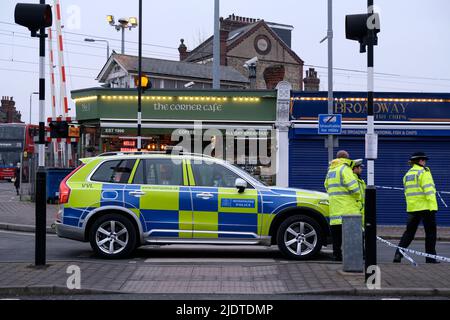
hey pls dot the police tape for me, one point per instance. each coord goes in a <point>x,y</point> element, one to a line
<point>418,253</point>
<point>402,189</point>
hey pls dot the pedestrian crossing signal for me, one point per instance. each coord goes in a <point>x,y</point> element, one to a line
<point>33,16</point>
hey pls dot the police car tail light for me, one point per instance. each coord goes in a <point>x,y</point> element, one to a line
<point>64,190</point>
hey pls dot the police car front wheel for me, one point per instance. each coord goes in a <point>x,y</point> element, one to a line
<point>299,237</point>
<point>113,236</point>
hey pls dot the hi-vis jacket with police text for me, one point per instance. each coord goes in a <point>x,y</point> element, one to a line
<point>420,191</point>
<point>343,190</point>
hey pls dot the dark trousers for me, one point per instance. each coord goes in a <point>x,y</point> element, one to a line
<point>429,223</point>
<point>336,234</point>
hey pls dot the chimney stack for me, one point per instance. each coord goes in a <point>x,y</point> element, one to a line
<point>312,82</point>
<point>182,49</point>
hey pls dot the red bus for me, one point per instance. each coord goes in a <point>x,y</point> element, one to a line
<point>15,139</point>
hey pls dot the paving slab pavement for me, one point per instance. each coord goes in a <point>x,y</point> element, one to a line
<point>293,278</point>
<point>239,278</point>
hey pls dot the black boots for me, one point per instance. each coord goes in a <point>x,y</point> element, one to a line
<point>398,257</point>
<point>429,260</point>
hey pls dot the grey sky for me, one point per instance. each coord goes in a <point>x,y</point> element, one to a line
<point>413,43</point>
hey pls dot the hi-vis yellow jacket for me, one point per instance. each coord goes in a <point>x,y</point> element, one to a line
<point>343,190</point>
<point>420,191</point>
<point>362,192</point>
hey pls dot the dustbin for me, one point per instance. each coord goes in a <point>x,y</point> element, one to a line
<point>54,178</point>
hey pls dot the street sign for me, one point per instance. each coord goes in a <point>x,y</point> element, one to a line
<point>330,123</point>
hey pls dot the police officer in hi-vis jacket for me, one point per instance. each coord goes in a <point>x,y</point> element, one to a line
<point>344,197</point>
<point>421,205</point>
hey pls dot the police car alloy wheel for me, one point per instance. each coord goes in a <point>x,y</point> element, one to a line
<point>113,236</point>
<point>299,237</point>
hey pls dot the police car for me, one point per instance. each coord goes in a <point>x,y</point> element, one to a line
<point>119,202</point>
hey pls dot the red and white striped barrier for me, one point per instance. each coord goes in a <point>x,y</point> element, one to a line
<point>62,67</point>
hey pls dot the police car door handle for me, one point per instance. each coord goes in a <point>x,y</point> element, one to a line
<point>137,193</point>
<point>205,195</point>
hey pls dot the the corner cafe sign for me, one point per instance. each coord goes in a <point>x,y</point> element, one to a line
<point>176,105</point>
<point>411,107</point>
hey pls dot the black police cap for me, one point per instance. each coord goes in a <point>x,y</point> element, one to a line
<point>418,156</point>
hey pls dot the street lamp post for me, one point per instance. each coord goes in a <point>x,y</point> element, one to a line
<point>100,40</point>
<point>31,94</point>
<point>139,115</point>
<point>122,24</point>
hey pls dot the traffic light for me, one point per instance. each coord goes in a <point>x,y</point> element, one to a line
<point>357,28</point>
<point>145,82</point>
<point>33,16</point>
<point>59,129</point>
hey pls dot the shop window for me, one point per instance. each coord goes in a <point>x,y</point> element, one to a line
<point>169,84</point>
<point>159,172</point>
<point>156,83</point>
<point>116,171</point>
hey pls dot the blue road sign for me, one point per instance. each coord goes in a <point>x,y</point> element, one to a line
<point>330,123</point>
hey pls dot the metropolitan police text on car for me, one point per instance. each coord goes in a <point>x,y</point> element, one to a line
<point>226,310</point>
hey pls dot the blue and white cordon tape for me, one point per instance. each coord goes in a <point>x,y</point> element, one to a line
<point>418,253</point>
<point>404,250</point>
<point>402,189</point>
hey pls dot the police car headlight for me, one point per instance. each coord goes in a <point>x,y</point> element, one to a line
<point>324,202</point>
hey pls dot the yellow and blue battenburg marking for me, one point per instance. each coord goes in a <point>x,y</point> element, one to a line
<point>166,208</point>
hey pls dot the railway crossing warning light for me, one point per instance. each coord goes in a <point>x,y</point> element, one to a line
<point>59,129</point>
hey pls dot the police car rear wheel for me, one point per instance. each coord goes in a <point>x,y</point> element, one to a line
<point>113,236</point>
<point>299,237</point>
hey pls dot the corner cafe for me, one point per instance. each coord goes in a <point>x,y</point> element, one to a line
<point>404,122</point>
<point>108,121</point>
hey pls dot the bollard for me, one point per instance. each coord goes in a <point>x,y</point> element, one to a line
<point>352,244</point>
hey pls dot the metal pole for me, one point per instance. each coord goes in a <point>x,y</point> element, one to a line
<point>21,168</point>
<point>371,145</point>
<point>330,74</point>
<point>123,39</point>
<point>31,94</point>
<point>216,47</point>
<point>107,49</point>
<point>139,114</point>
<point>41,209</point>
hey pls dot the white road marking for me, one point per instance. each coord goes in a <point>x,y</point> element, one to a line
<point>208,260</point>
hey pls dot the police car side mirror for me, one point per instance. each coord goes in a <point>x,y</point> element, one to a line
<point>240,184</point>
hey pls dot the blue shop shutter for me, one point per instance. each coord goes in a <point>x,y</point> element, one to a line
<point>308,162</point>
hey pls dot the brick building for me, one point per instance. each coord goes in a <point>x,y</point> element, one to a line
<point>242,39</point>
<point>8,112</point>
